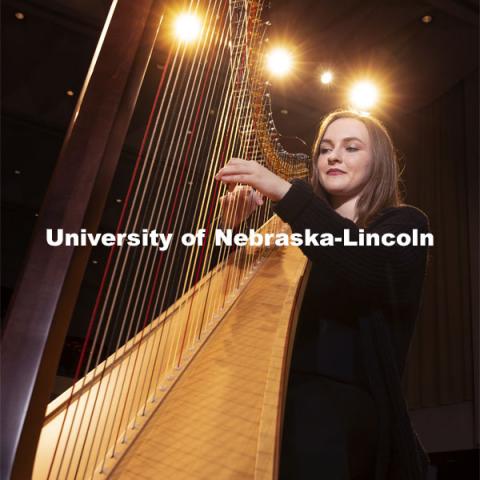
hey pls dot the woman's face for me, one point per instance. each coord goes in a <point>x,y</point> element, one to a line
<point>345,158</point>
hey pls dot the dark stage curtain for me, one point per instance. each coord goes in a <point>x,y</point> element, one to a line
<point>439,144</point>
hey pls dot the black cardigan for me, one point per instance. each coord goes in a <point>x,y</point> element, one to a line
<point>359,313</point>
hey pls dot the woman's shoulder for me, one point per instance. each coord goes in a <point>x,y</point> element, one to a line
<point>403,214</point>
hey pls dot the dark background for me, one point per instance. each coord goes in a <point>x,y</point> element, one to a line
<point>428,77</point>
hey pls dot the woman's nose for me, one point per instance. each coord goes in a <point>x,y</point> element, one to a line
<point>333,157</point>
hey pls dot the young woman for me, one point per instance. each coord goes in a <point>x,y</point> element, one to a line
<point>345,415</point>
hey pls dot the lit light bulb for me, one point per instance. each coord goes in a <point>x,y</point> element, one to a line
<point>364,95</point>
<point>187,27</point>
<point>326,77</point>
<point>279,62</point>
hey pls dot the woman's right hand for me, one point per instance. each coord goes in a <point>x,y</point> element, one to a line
<point>238,205</point>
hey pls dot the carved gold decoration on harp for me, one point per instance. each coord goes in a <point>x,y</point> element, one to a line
<point>183,369</point>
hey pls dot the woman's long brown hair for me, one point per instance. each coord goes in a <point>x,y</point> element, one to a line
<point>382,188</point>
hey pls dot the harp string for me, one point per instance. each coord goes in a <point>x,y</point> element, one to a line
<point>147,390</point>
<point>246,130</point>
<point>212,207</point>
<point>113,252</point>
<point>188,265</point>
<point>161,329</point>
<point>174,207</point>
<point>95,309</point>
<point>146,262</point>
<point>208,222</point>
<point>170,221</point>
<point>148,294</point>
<point>127,416</point>
<point>120,337</point>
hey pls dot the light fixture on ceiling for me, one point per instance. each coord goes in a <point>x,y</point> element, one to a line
<point>326,77</point>
<point>363,95</point>
<point>279,62</point>
<point>427,19</point>
<point>19,15</point>
<point>187,27</point>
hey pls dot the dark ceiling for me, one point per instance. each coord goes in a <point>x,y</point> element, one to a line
<point>385,40</point>
<point>48,51</point>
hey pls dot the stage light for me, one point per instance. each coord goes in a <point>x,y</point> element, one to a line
<point>279,62</point>
<point>187,27</point>
<point>363,95</point>
<point>427,18</point>
<point>326,77</point>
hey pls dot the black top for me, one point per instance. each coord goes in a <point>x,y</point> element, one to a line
<point>360,304</point>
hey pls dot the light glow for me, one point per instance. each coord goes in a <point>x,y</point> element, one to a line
<point>279,62</point>
<point>187,27</point>
<point>363,95</point>
<point>326,77</point>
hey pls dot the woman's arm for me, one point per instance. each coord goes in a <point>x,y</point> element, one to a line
<point>389,274</point>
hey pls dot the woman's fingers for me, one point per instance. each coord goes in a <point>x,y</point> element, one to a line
<point>233,170</point>
<point>235,178</point>
<point>237,193</point>
<point>243,191</point>
<point>258,198</point>
<point>237,166</point>
<point>257,176</point>
<point>237,174</point>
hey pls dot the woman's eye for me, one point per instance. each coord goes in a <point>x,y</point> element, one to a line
<point>352,149</point>
<point>323,151</point>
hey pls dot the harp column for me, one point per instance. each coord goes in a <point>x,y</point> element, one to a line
<point>40,311</point>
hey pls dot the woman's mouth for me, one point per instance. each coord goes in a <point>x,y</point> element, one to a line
<point>335,171</point>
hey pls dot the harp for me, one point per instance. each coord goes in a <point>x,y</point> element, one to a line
<point>186,351</point>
